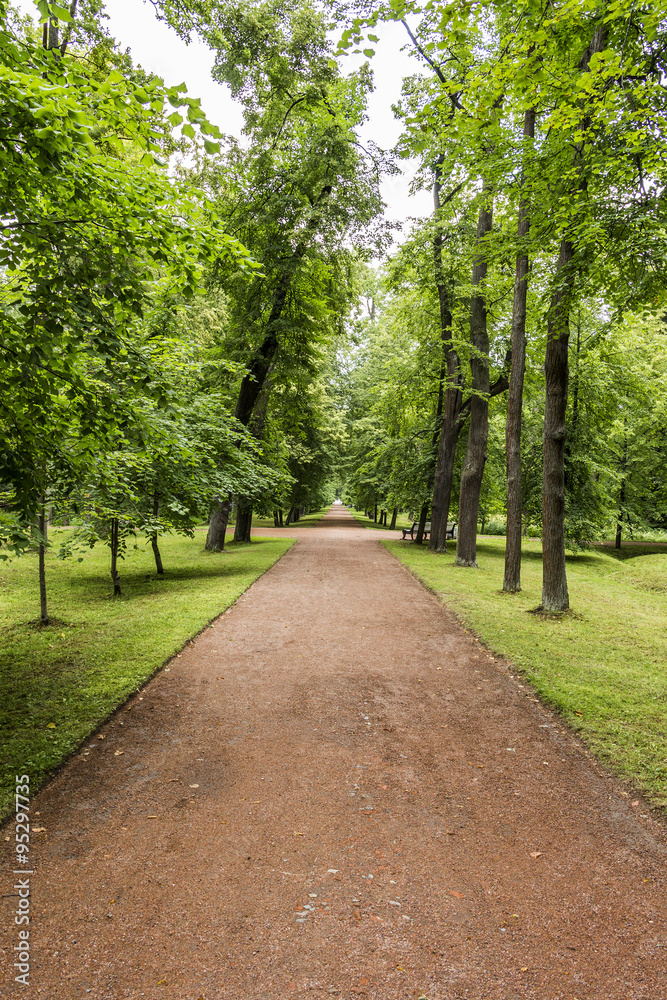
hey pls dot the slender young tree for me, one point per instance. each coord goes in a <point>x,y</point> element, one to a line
<point>512,578</point>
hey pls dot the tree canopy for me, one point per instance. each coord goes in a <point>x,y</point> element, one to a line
<point>195,325</point>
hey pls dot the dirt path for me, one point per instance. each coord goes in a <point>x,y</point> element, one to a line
<point>335,792</point>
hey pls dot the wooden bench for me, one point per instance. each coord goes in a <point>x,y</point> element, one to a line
<point>450,534</point>
<point>411,530</point>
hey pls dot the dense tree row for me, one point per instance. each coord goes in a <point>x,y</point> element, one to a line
<point>541,129</point>
<point>165,334</point>
<point>177,342</point>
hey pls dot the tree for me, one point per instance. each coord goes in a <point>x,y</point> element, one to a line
<point>296,196</point>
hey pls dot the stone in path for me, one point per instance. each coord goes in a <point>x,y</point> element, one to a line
<point>336,792</point>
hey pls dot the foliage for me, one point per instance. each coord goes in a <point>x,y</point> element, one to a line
<point>90,218</point>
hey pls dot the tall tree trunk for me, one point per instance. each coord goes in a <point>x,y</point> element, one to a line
<point>243,520</point>
<point>375,514</point>
<point>253,383</point>
<point>156,549</point>
<point>450,407</point>
<point>114,556</point>
<point>619,521</point>
<point>423,517</point>
<point>394,515</point>
<point>574,421</point>
<point>555,595</point>
<point>217,526</point>
<point>621,499</point>
<point>512,578</point>
<point>41,527</point>
<point>478,432</point>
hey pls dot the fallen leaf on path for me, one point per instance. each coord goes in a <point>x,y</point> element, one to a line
<point>193,786</point>
<point>51,725</point>
<point>536,854</point>
<point>297,833</point>
<point>524,968</point>
<point>152,816</point>
<point>118,753</point>
<point>39,829</point>
<point>101,737</point>
<point>459,895</point>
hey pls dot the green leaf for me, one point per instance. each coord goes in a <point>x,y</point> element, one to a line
<point>62,13</point>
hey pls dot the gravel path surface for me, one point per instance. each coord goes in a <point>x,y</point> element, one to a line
<point>337,792</point>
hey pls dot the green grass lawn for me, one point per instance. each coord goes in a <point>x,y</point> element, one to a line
<point>57,684</point>
<point>602,667</point>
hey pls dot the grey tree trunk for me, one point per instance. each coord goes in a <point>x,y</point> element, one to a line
<point>619,524</point>
<point>512,578</point>
<point>555,595</point>
<point>154,543</point>
<point>243,521</point>
<point>423,517</point>
<point>394,515</point>
<point>114,543</point>
<point>217,526</point>
<point>478,432</point>
<point>41,526</point>
<point>450,403</point>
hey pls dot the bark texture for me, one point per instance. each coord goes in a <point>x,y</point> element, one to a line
<point>451,400</point>
<point>512,578</point>
<point>217,526</point>
<point>154,542</point>
<point>478,432</point>
<point>41,525</point>
<point>243,520</point>
<point>423,517</point>
<point>555,595</point>
<point>114,544</point>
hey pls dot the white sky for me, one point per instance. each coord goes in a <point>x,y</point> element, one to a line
<point>158,49</point>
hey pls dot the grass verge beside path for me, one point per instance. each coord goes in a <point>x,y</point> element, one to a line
<point>59,683</point>
<point>603,667</point>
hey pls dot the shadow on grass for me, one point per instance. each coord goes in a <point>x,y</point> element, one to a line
<point>633,551</point>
